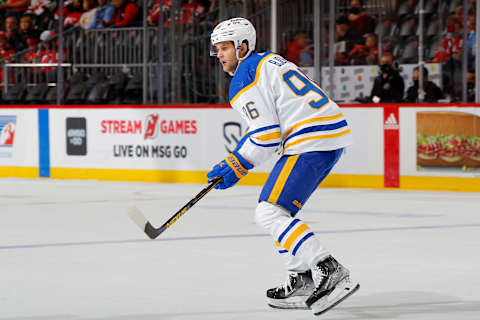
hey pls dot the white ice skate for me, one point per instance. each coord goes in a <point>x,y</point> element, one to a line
<point>332,286</point>
<point>293,293</point>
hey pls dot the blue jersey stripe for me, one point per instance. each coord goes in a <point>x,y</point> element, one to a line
<point>323,127</point>
<point>300,242</point>
<point>288,229</point>
<point>265,145</point>
<point>245,137</point>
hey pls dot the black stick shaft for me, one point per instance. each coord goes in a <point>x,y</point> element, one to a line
<point>153,232</point>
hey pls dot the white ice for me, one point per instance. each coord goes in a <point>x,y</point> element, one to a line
<point>69,251</point>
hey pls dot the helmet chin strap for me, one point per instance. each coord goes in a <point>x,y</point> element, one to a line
<point>239,61</point>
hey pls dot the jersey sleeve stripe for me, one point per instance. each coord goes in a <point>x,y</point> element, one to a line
<point>264,129</point>
<point>325,136</point>
<point>323,127</point>
<point>269,136</point>
<point>247,135</point>
<point>257,75</point>
<point>318,119</point>
<point>265,145</point>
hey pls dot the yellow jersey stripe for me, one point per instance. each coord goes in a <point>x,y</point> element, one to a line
<point>336,116</point>
<point>278,244</point>
<point>294,236</point>
<point>325,136</point>
<point>282,178</point>
<point>268,136</point>
<point>257,75</point>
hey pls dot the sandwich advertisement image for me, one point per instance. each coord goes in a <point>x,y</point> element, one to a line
<point>448,139</point>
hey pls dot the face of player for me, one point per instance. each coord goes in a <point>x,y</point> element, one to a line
<point>226,56</point>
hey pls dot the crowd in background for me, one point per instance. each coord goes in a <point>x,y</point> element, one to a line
<point>357,36</point>
<point>29,26</point>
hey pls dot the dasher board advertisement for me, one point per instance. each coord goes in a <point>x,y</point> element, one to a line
<point>18,137</point>
<point>184,139</point>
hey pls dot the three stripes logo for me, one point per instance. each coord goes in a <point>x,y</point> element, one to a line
<point>391,123</point>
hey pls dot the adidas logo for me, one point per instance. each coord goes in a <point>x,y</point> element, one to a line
<point>391,123</point>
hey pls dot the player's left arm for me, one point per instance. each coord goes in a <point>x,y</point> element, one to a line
<point>260,141</point>
<point>263,137</point>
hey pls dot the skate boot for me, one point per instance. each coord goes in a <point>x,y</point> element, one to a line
<point>292,294</point>
<point>332,286</point>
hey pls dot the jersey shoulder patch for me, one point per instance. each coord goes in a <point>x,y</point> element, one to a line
<point>246,74</point>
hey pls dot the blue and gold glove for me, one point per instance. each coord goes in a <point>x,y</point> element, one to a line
<point>231,169</point>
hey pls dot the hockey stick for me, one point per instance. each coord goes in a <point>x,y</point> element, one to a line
<point>137,216</point>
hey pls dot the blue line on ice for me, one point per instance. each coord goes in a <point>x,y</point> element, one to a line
<point>231,236</point>
<point>328,211</point>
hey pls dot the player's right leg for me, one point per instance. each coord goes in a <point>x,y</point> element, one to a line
<point>290,184</point>
<point>297,287</point>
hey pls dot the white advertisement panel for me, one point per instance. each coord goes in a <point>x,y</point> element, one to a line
<point>183,139</point>
<point>440,141</point>
<point>18,137</point>
<point>352,82</point>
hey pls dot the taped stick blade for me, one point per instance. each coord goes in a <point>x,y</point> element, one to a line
<point>137,216</point>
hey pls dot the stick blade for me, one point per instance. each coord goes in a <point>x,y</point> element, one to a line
<point>137,216</point>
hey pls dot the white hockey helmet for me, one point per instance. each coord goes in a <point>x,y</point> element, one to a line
<point>237,30</point>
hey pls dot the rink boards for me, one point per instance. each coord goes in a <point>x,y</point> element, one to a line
<point>181,143</point>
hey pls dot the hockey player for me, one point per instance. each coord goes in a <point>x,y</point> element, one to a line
<point>284,110</point>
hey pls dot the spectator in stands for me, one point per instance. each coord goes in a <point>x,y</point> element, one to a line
<point>125,14</point>
<point>6,51</point>
<point>71,13</point>
<point>159,6</point>
<point>451,40</point>
<point>472,35</point>
<point>192,8</point>
<point>48,51</point>
<point>347,38</point>
<point>365,54</point>
<point>7,54</point>
<point>33,54</point>
<point>86,20</point>
<point>25,32</point>
<point>11,28</point>
<point>388,85</point>
<point>15,6</point>
<point>104,13</point>
<point>432,92</point>
<point>471,85</point>
<point>43,11</point>
<point>359,20</point>
<point>297,50</point>
<point>452,75</point>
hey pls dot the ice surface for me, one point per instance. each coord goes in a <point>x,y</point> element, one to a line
<point>69,251</point>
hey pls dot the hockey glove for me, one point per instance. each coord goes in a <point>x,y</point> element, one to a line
<point>231,169</point>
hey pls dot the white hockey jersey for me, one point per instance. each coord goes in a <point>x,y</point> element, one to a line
<point>284,109</point>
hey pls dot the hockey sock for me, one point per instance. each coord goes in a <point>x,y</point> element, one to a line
<point>292,234</point>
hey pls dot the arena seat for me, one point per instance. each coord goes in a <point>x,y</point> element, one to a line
<point>36,94</point>
<point>117,85</point>
<point>15,94</point>
<point>133,90</point>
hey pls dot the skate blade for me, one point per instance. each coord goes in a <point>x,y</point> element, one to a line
<point>297,303</point>
<point>342,291</point>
